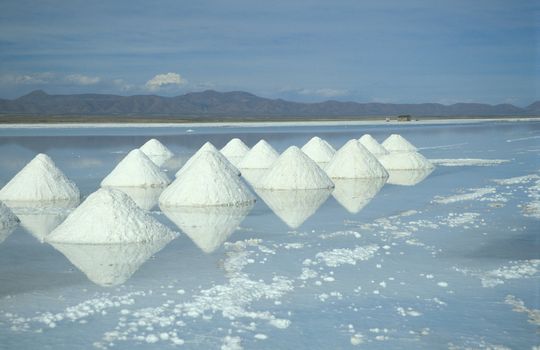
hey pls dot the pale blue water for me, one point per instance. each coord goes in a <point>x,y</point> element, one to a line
<point>439,277</point>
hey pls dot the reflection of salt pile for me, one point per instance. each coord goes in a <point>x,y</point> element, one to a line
<point>261,156</point>
<point>294,207</point>
<point>397,143</point>
<point>355,194</point>
<point>235,150</point>
<point>8,222</point>
<point>319,150</point>
<point>372,145</point>
<point>408,177</point>
<point>403,155</point>
<point>208,227</point>
<point>109,216</point>
<point>354,161</point>
<point>146,198</point>
<point>253,176</point>
<point>156,151</point>
<point>110,264</point>
<point>207,182</point>
<point>208,147</point>
<point>40,219</point>
<point>294,170</point>
<point>39,180</point>
<point>136,170</point>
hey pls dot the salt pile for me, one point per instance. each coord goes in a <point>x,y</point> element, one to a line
<point>110,265</point>
<point>156,151</point>
<point>145,197</point>
<point>208,227</point>
<point>405,161</point>
<point>136,170</point>
<point>7,218</point>
<point>207,182</point>
<point>209,147</point>
<point>109,216</point>
<point>261,156</point>
<point>39,180</point>
<point>235,150</point>
<point>253,176</point>
<point>397,143</point>
<point>294,207</point>
<point>354,161</point>
<point>408,177</point>
<point>294,170</point>
<point>372,145</point>
<point>319,150</point>
<point>355,194</point>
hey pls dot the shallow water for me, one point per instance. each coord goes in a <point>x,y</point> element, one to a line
<point>449,262</point>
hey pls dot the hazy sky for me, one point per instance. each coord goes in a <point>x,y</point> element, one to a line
<point>385,51</point>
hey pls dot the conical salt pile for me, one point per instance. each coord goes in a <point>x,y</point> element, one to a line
<point>136,170</point>
<point>355,194</point>
<point>319,150</point>
<point>235,150</point>
<point>145,197</point>
<point>261,156</point>
<point>294,170</point>
<point>109,216</point>
<point>354,161</point>
<point>405,161</point>
<point>372,145</point>
<point>397,143</point>
<point>207,182</point>
<point>7,218</point>
<point>156,151</point>
<point>39,180</point>
<point>209,147</point>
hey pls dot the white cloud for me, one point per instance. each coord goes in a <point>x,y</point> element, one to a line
<point>162,80</point>
<point>79,79</point>
<point>28,79</point>
<point>324,92</point>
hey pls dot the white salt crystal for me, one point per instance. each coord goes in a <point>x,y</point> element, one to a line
<point>261,156</point>
<point>235,150</point>
<point>156,151</point>
<point>354,161</point>
<point>397,143</point>
<point>209,147</point>
<point>372,145</point>
<point>319,150</point>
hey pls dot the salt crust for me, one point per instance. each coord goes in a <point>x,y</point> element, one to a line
<point>235,150</point>
<point>337,257</point>
<point>156,151</point>
<point>405,161</point>
<point>408,177</point>
<point>7,218</point>
<point>319,150</point>
<point>397,143</point>
<point>468,162</point>
<point>207,181</point>
<point>39,180</point>
<point>372,145</point>
<point>109,216</point>
<point>354,161</point>
<point>209,147</point>
<point>136,170</point>
<point>261,156</point>
<point>294,170</point>
<point>355,194</point>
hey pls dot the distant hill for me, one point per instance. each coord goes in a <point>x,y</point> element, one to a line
<point>236,104</point>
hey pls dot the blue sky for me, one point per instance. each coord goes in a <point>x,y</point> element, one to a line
<point>365,51</point>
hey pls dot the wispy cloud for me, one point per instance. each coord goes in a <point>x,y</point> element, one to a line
<point>28,79</point>
<point>79,79</point>
<point>324,92</point>
<point>163,80</point>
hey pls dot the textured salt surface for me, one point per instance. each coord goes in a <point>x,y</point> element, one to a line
<point>208,147</point>
<point>261,156</point>
<point>294,170</point>
<point>354,161</point>
<point>355,194</point>
<point>319,150</point>
<point>136,170</point>
<point>7,218</point>
<point>408,177</point>
<point>109,216</point>
<point>235,150</point>
<point>468,162</point>
<point>532,209</point>
<point>474,195</point>
<point>518,305</point>
<point>513,270</point>
<point>405,161</point>
<point>397,143</point>
<point>39,180</point>
<point>372,145</point>
<point>157,152</point>
<point>337,257</point>
<point>207,181</point>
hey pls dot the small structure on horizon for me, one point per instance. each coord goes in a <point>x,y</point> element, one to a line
<point>404,118</point>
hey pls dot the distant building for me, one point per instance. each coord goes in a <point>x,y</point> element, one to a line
<point>404,118</point>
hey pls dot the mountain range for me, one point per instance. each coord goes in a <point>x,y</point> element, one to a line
<point>236,104</point>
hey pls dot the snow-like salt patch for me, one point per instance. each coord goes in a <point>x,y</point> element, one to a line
<point>157,152</point>
<point>136,170</point>
<point>319,150</point>
<point>235,150</point>
<point>231,343</point>
<point>294,170</point>
<point>405,161</point>
<point>208,147</point>
<point>515,270</point>
<point>519,306</point>
<point>532,209</point>
<point>261,156</point>
<point>518,180</point>
<point>474,195</point>
<point>39,180</point>
<point>340,256</point>
<point>397,143</point>
<point>207,181</point>
<point>109,216</point>
<point>372,145</point>
<point>468,162</point>
<point>354,161</point>
<point>355,234</point>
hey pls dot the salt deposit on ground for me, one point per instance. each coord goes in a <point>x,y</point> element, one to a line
<point>468,162</point>
<point>39,180</point>
<point>355,194</point>
<point>532,209</point>
<point>337,257</point>
<point>519,306</point>
<point>109,216</point>
<point>261,156</point>
<point>7,218</point>
<point>354,161</point>
<point>408,177</point>
<point>397,143</point>
<point>372,145</point>
<point>208,227</point>
<point>319,150</point>
<point>136,170</point>
<point>405,161</point>
<point>294,170</point>
<point>473,195</point>
<point>209,147</point>
<point>235,150</point>
<point>514,270</point>
<point>157,152</point>
<point>207,181</point>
